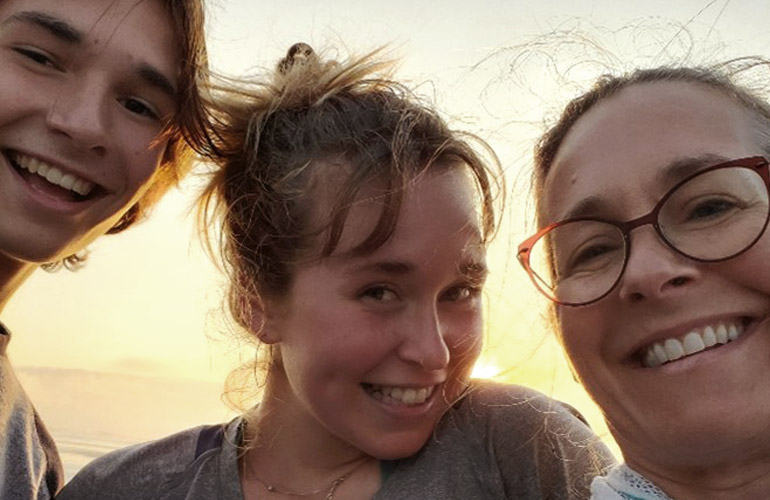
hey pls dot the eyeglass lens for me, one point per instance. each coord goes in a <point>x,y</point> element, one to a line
<point>713,216</point>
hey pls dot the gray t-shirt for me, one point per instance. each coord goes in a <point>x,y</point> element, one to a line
<point>499,441</point>
<point>30,468</point>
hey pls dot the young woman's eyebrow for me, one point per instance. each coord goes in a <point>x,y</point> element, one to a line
<point>476,271</point>
<point>394,268</point>
<point>156,79</point>
<point>57,27</point>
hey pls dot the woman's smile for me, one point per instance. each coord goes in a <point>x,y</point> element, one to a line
<point>712,335</point>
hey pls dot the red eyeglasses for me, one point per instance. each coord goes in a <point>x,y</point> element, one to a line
<point>712,215</point>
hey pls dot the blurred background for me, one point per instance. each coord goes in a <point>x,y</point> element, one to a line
<point>134,346</point>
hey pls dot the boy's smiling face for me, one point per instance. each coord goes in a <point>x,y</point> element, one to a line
<point>86,88</point>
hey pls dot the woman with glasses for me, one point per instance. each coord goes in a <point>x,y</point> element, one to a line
<point>652,199</point>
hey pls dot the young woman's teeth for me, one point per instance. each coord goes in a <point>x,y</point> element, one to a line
<point>54,175</point>
<point>693,342</point>
<point>407,396</point>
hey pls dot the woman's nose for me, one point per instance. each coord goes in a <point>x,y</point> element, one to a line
<point>653,269</point>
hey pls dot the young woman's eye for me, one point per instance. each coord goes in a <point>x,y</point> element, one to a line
<point>379,294</point>
<point>140,108</point>
<point>462,292</point>
<point>36,56</point>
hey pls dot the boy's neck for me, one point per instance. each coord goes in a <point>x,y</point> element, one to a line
<point>12,274</point>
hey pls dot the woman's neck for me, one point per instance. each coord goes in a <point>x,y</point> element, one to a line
<point>728,481</point>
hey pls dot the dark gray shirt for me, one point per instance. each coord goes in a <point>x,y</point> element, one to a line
<point>499,441</point>
<point>29,463</point>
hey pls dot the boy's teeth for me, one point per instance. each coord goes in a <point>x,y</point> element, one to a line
<point>693,342</point>
<point>54,175</point>
<point>407,396</point>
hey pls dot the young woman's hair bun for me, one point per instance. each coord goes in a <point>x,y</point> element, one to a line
<point>298,54</point>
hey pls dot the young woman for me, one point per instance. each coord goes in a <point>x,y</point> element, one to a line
<point>653,203</point>
<point>98,101</point>
<point>355,226</point>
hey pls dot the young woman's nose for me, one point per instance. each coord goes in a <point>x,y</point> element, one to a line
<point>423,343</point>
<point>654,270</point>
<point>79,112</point>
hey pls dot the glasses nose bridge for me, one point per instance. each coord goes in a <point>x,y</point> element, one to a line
<point>650,218</point>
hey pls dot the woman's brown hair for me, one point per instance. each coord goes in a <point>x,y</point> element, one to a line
<point>320,123</point>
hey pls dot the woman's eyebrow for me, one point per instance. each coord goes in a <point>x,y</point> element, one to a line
<point>57,27</point>
<point>589,206</point>
<point>674,171</point>
<point>682,167</point>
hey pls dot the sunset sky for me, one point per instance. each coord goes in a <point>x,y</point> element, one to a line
<point>148,301</point>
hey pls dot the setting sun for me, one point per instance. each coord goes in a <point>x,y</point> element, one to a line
<point>484,369</point>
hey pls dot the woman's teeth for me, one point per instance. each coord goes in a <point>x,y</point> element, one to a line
<point>693,342</point>
<point>53,174</point>
<point>408,396</point>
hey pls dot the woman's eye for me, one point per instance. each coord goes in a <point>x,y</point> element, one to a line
<point>590,253</point>
<point>591,258</point>
<point>379,294</point>
<point>710,209</point>
<point>140,108</point>
<point>36,56</point>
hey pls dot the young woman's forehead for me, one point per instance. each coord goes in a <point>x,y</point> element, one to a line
<point>621,144</point>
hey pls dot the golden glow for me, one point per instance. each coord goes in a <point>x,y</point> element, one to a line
<point>483,369</point>
<point>148,301</point>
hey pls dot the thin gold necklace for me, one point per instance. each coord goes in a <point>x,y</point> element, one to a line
<point>330,488</point>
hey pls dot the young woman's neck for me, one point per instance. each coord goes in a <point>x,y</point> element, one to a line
<point>12,274</point>
<point>289,447</point>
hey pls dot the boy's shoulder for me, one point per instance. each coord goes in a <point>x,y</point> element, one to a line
<point>168,468</point>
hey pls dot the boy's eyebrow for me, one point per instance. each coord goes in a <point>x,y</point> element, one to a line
<point>57,27</point>
<point>65,32</point>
